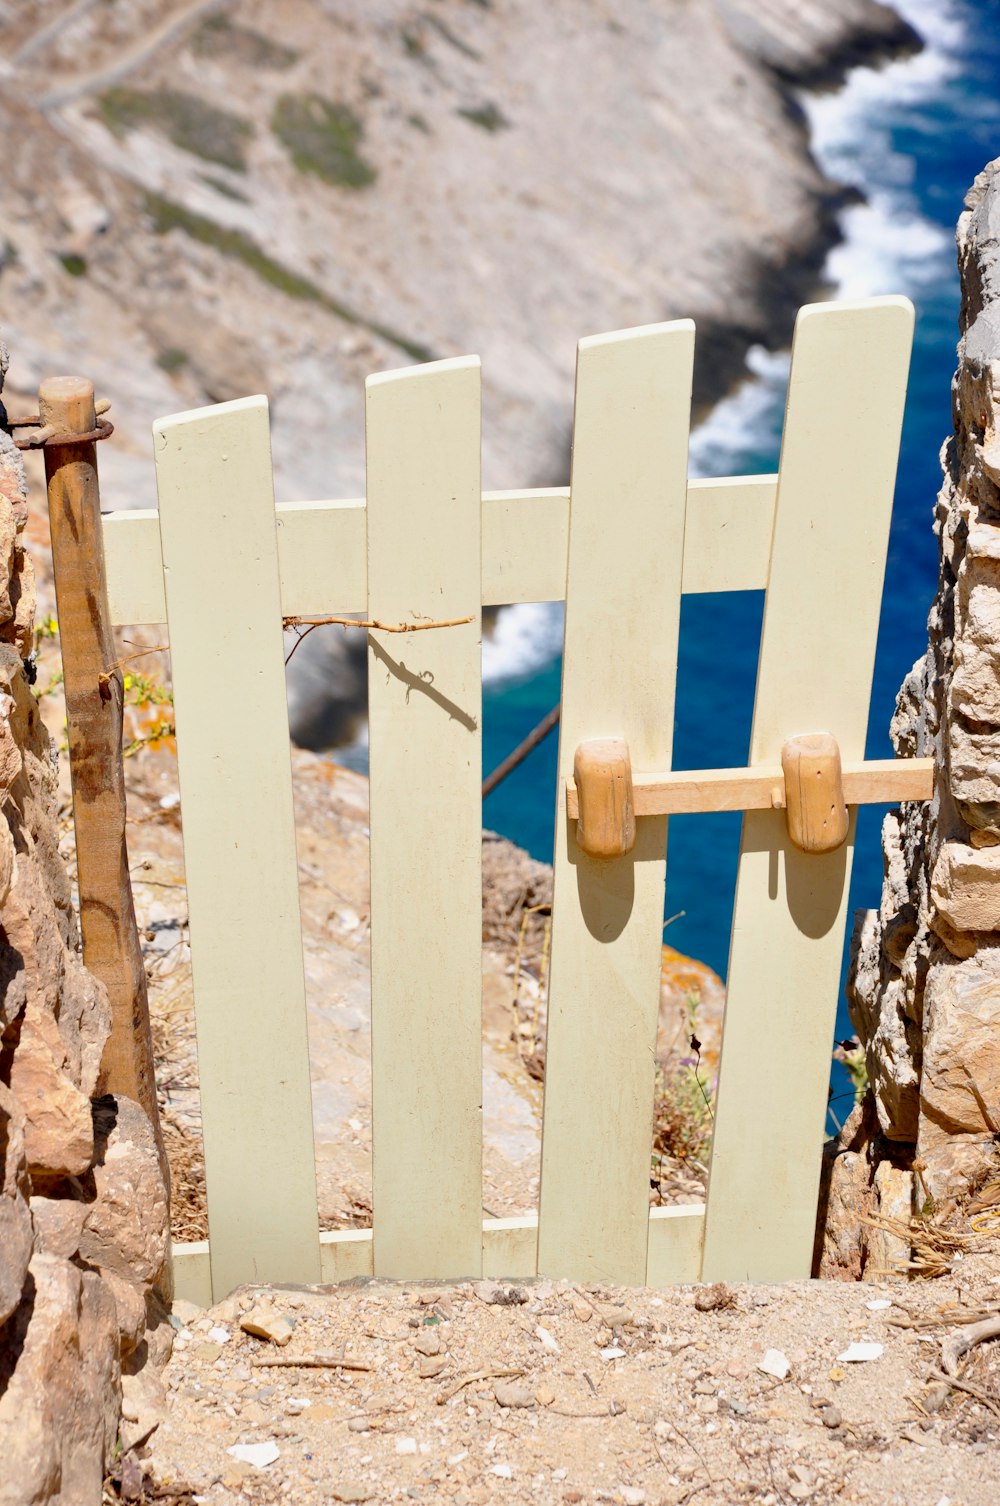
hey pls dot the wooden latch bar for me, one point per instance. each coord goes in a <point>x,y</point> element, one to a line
<point>812,786</point>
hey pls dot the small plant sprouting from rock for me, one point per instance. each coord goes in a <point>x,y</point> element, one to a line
<point>172,360</point>
<point>166,216</point>
<point>218,37</point>
<point>322,138</point>
<point>851,1055</point>
<point>74,264</point>
<point>191,123</point>
<point>488,117</point>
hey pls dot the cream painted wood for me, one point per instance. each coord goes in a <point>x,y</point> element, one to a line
<point>321,549</point>
<point>838,466</point>
<point>191,1268</point>
<point>220,572</point>
<point>425,742</point>
<point>690,791</point>
<point>626,550</point>
<point>675,1236</point>
<point>510,1246</point>
<point>675,1244</point>
<point>133,560</point>
<point>345,1254</point>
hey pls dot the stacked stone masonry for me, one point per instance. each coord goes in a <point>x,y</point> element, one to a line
<point>83,1205</point>
<point>924,989</point>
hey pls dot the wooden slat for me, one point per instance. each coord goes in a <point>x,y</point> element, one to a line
<point>346,1254</point>
<point>217,530</point>
<point>510,1246</point>
<point>626,550</point>
<point>425,742</point>
<point>688,792</point>
<point>838,465</point>
<point>321,549</point>
<point>675,1236</point>
<point>675,1241</point>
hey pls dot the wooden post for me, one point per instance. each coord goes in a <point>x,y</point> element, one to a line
<point>94,710</point>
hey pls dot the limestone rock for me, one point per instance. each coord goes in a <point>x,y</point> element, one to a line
<point>126,1178</point>
<point>888,1252</point>
<point>15,1218</point>
<point>59,1388</point>
<point>924,989</point>
<point>960,1081</point>
<point>58,1224</point>
<point>965,886</point>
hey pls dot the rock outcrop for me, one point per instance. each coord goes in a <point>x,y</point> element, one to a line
<point>83,1207</point>
<point>924,990</point>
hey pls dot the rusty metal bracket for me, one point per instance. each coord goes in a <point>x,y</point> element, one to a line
<point>47,437</point>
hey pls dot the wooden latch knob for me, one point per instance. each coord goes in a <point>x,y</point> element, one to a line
<point>602,769</point>
<point>814,792</point>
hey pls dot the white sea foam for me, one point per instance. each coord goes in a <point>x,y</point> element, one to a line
<point>524,638</point>
<point>745,420</point>
<point>888,246</point>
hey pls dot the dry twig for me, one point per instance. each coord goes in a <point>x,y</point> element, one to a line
<point>311,1362</point>
<point>491,1373</point>
<point>309,623</point>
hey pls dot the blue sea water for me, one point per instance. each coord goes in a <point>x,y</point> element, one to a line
<point>911,136</point>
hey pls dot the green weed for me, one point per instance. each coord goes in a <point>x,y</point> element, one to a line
<point>322,139</point>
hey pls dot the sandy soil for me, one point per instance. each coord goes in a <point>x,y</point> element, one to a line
<point>546,1392</point>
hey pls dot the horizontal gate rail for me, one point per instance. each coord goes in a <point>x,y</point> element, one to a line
<point>321,549</point>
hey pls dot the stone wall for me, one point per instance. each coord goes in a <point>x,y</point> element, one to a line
<point>924,990</point>
<point>83,1207</point>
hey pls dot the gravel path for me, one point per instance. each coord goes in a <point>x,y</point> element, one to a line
<point>475,1393</point>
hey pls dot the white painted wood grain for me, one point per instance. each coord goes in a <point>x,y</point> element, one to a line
<point>626,549</point>
<point>220,572</point>
<point>675,1245</point>
<point>838,467</point>
<point>425,759</point>
<point>675,1236</point>
<point>321,549</point>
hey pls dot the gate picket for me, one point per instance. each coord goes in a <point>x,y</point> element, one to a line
<point>220,574</point>
<point>425,739</point>
<point>835,484</point>
<point>626,550</point>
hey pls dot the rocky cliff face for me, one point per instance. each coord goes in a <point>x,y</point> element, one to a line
<point>925,986</point>
<point>83,1208</point>
<point>211,199</point>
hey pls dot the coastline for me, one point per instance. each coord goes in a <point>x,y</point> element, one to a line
<point>784,284</point>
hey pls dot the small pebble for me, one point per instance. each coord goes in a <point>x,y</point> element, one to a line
<point>510,1394</point>
<point>260,1455</point>
<point>265,1324</point>
<point>774,1363</point>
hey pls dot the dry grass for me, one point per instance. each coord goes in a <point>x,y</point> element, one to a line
<point>933,1246</point>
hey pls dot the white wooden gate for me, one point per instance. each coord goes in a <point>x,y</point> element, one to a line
<point>222,565</point>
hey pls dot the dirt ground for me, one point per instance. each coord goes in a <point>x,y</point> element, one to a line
<point>549,1392</point>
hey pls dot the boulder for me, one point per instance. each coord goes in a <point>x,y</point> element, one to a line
<point>60,1388</point>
